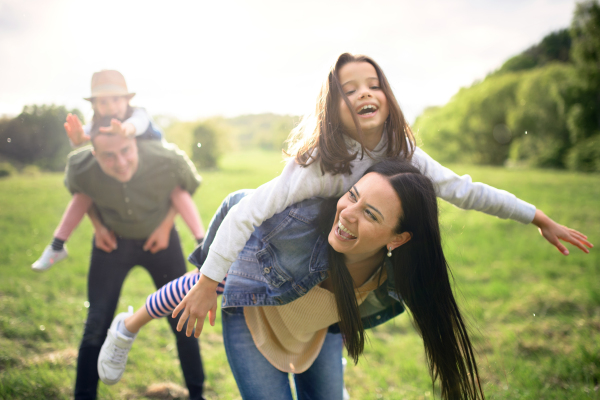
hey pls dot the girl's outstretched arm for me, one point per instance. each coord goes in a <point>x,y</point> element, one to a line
<point>200,301</point>
<point>554,233</point>
<point>466,194</point>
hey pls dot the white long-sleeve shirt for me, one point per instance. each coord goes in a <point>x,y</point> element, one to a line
<point>298,183</point>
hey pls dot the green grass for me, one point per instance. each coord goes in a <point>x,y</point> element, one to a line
<point>534,314</point>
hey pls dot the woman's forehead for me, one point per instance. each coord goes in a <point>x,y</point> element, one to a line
<point>378,191</point>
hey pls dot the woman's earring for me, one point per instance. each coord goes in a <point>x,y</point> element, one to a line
<point>389,254</point>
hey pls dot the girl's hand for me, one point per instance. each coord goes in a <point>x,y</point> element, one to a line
<point>118,128</point>
<point>200,300</point>
<point>552,232</point>
<point>104,239</point>
<point>75,131</point>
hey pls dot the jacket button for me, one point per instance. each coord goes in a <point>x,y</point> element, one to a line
<point>267,270</point>
<point>378,317</point>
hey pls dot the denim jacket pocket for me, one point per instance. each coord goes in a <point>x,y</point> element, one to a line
<point>272,273</point>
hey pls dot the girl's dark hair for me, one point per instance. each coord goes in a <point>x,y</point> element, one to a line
<point>421,278</point>
<point>323,131</point>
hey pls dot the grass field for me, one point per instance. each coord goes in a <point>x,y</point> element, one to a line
<point>534,314</point>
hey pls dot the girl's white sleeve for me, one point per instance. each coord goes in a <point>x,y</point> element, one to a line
<point>139,119</point>
<point>464,193</point>
<point>293,185</point>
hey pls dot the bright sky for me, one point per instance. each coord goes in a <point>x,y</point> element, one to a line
<point>193,59</point>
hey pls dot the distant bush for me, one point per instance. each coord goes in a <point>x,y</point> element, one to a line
<point>6,169</point>
<point>205,148</point>
<point>31,170</point>
<point>37,136</point>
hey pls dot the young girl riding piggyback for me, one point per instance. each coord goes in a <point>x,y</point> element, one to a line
<point>110,101</point>
<point>357,123</point>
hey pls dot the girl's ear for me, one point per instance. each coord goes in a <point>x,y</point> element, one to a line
<point>399,240</point>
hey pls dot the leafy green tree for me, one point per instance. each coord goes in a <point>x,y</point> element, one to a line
<point>472,127</point>
<point>37,136</point>
<point>554,47</point>
<point>205,148</point>
<point>584,117</point>
<point>539,118</point>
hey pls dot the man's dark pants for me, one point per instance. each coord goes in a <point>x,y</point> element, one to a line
<point>105,279</point>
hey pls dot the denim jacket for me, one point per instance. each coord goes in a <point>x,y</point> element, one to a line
<point>286,257</point>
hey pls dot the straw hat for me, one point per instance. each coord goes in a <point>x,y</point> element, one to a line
<point>108,82</point>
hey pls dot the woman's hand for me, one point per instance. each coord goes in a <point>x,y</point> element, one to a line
<point>75,131</point>
<point>200,300</point>
<point>118,128</point>
<point>552,232</point>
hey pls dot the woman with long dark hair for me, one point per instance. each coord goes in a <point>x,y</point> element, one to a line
<point>325,267</point>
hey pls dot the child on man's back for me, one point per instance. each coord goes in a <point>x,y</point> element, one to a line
<point>110,100</point>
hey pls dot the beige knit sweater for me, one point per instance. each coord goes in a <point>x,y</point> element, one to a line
<point>291,336</point>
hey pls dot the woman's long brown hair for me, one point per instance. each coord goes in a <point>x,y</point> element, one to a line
<point>421,278</point>
<point>323,131</point>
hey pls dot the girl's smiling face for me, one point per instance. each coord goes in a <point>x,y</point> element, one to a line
<point>111,106</point>
<point>366,219</point>
<point>360,84</point>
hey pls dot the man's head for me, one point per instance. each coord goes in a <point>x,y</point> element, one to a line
<point>117,155</point>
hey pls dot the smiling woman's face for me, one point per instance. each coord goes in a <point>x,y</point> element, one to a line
<point>365,219</point>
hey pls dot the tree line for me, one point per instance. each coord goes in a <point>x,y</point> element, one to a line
<point>541,108</point>
<point>37,137</point>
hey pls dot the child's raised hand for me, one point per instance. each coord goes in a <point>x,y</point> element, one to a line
<point>75,131</point>
<point>200,301</point>
<point>554,233</point>
<point>118,128</point>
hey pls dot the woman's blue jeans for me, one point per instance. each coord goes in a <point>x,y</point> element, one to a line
<point>257,379</point>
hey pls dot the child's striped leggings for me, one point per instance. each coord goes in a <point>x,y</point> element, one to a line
<point>164,300</point>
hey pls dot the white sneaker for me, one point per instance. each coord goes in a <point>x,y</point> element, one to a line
<point>49,258</point>
<point>113,355</point>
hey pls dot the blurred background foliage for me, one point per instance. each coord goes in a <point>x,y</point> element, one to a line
<point>541,108</point>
